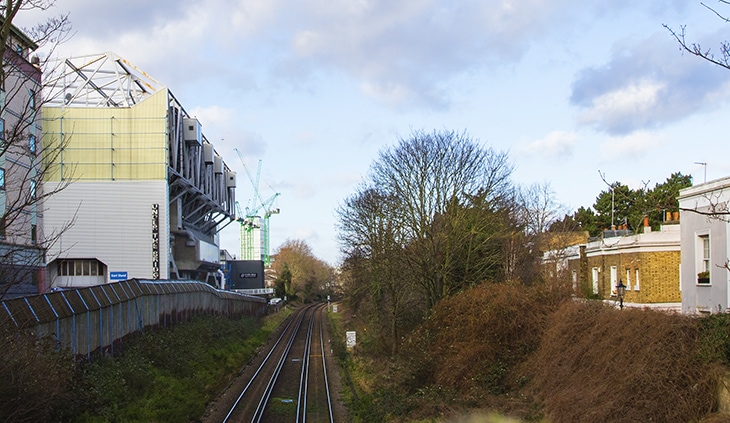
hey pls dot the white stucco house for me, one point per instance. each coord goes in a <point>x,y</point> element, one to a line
<point>705,233</point>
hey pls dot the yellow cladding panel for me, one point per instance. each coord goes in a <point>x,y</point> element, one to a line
<point>108,143</point>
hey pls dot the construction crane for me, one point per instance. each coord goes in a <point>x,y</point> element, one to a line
<point>268,211</point>
<point>254,227</point>
<point>248,223</point>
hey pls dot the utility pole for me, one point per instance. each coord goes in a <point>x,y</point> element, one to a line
<point>705,165</point>
<point>613,226</point>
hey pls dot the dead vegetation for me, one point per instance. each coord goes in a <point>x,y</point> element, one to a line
<point>537,355</point>
<point>472,341</point>
<point>596,363</point>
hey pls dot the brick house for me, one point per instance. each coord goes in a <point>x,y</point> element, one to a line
<point>646,263</point>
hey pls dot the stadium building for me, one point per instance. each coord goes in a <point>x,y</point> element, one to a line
<point>147,193</point>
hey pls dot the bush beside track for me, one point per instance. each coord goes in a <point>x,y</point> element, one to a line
<point>537,355</point>
<point>162,375</point>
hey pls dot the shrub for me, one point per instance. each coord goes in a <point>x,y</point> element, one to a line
<point>715,338</point>
<point>36,376</point>
<point>168,374</point>
<point>473,340</point>
<point>597,364</point>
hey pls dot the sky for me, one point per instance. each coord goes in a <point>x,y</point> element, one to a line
<point>314,89</point>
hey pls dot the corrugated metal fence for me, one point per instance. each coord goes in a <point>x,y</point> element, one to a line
<point>98,318</point>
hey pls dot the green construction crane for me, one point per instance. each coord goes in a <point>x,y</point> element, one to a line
<point>253,225</point>
<point>268,211</point>
<point>248,223</point>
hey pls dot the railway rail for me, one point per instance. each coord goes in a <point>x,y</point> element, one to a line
<point>291,382</point>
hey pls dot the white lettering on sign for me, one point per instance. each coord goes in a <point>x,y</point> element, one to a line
<point>155,241</point>
<point>118,276</point>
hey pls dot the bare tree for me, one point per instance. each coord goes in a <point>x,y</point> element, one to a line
<point>717,207</point>
<point>538,207</point>
<point>26,160</point>
<point>536,212</point>
<point>433,183</point>
<point>371,242</point>
<point>722,58</point>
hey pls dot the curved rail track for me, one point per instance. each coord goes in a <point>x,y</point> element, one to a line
<point>291,383</point>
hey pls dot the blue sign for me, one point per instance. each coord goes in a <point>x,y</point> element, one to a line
<point>117,276</point>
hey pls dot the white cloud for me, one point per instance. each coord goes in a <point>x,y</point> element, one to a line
<point>647,84</point>
<point>224,128</point>
<point>298,188</point>
<point>630,147</point>
<point>625,103</point>
<point>405,52</point>
<point>213,115</point>
<point>555,144</point>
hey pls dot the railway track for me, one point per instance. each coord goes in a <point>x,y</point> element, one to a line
<point>290,383</point>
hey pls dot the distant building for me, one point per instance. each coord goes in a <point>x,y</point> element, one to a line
<point>149,192</point>
<point>21,206</point>
<point>705,237</point>
<point>646,263</point>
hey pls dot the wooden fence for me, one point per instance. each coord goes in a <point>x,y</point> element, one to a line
<point>97,319</point>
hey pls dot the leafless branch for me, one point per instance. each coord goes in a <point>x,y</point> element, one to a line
<point>28,159</point>
<point>719,15</point>
<point>722,60</point>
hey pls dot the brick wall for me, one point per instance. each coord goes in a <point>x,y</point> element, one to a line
<point>658,275</point>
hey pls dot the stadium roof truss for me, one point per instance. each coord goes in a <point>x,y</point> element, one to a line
<point>100,80</point>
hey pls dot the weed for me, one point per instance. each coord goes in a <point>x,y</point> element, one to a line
<point>170,374</point>
<point>283,407</point>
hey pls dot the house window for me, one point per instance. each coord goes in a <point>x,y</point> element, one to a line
<point>2,178</point>
<point>32,190</point>
<point>705,253</point>
<point>595,280</point>
<point>703,259</point>
<point>2,129</point>
<point>2,227</point>
<point>614,279</point>
<point>31,144</point>
<point>628,278</point>
<point>575,280</point>
<point>33,234</point>
<point>636,280</point>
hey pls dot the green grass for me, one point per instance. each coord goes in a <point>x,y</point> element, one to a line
<point>170,374</point>
<point>283,407</point>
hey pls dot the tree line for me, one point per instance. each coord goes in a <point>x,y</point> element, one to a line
<point>439,213</point>
<point>621,206</point>
<point>299,274</point>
